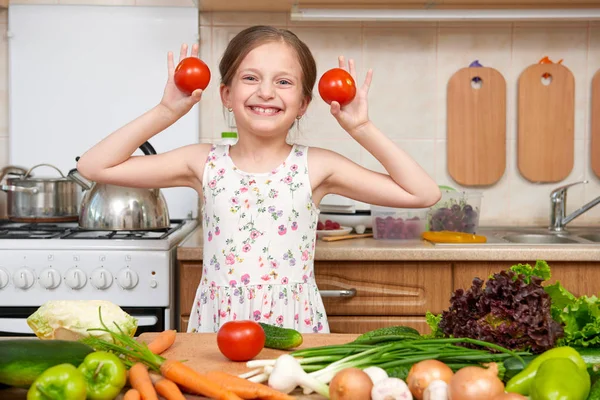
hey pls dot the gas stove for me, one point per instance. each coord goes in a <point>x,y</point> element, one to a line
<point>59,261</point>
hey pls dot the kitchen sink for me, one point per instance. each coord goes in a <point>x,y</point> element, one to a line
<point>592,237</point>
<point>533,238</point>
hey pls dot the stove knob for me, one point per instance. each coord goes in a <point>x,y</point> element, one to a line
<point>75,278</point>
<point>24,278</point>
<point>101,278</point>
<point>49,278</point>
<point>127,278</point>
<point>3,278</point>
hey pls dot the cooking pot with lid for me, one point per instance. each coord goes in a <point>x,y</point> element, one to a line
<point>119,208</point>
<point>37,199</point>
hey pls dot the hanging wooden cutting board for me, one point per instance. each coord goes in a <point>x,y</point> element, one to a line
<point>546,115</point>
<point>595,145</point>
<point>476,118</point>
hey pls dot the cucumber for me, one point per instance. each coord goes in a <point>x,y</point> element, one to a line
<point>387,333</point>
<point>281,338</point>
<point>23,360</point>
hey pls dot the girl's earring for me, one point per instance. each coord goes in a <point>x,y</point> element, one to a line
<point>230,109</point>
<point>299,117</point>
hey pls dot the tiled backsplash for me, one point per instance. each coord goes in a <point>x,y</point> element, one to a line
<point>412,64</point>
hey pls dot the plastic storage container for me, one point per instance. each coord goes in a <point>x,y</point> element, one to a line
<point>398,223</point>
<point>456,211</point>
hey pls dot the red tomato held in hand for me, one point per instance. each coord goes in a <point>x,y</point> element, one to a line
<point>337,85</point>
<point>191,74</point>
<point>241,340</point>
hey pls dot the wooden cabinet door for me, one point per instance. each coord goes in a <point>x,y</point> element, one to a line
<point>385,288</point>
<point>190,273</point>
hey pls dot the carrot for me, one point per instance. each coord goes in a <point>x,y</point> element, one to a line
<point>132,394</point>
<point>139,379</point>
<point>168,389</point>
<point>192,380</point>
<point>163,341</point>
<point>246,389</point>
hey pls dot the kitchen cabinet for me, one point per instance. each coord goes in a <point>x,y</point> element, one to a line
<point>387,292</point>
<point>286,5</point>
<point>3,3</point>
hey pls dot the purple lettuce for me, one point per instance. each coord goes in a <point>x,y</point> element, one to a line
<point>512,310</point>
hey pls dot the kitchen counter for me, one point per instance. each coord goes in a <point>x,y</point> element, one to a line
<point>378,250</point>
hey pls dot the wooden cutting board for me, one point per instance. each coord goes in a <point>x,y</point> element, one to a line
<point>476,126</point>
<point>546,118</point>
<point>595,150</point>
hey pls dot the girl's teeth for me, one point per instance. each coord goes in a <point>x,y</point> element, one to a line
<point>265,110</point>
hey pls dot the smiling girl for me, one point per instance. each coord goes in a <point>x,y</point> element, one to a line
<point>261,195</point>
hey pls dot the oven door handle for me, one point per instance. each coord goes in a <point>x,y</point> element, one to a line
<point>15,325</point>
<point>146,320</point>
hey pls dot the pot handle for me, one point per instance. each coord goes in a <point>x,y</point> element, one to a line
<point>76,177</point>
<point>12,170</point>
<point>147,149</point>
<point>42,165</point>
<point>12,188</point>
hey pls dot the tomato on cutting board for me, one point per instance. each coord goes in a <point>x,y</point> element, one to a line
<point>337,85</point>
<point>190,74</point>
<point>241,340</point>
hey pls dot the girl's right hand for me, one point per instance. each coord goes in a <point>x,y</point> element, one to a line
<point>173,99</point>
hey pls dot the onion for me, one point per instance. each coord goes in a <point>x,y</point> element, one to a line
<point>423,373</point>
<point>510,396</point>
<point>475,383</point>
<point>350,384</point>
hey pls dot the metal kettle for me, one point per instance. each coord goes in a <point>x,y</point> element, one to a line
<point>119,208</point>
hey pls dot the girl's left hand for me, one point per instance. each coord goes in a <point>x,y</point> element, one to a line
<point>355,114</point>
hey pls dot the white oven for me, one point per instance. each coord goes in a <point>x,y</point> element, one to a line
<point>57,261</point>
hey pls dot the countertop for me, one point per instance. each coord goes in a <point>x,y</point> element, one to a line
<point>383,250</point>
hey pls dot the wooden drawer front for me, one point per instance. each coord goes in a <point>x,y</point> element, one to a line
<point>579,278</point>
<point>385,288</point>
<point>190,274</point>
<point>365,324</point>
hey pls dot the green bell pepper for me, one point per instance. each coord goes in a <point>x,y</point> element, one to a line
<point>521,382</point>
<point>560,379</point>
<point>61,382</point>
<point>105,375</point>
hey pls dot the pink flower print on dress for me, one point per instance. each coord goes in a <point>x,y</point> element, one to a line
<point>243,189</point>
<point>294,225</point>
<point>245,279</point>
<point>232,282</point>
<point>221,171</point>
<point>304,255</point>
<point>284,280</point>
<point>307,322</point>
<point>217,231</point>
<point>223,313</point>
<point>280,320</point>
<point>256,315</point>
<point>209,236</point>
<point>287,179</point>
<point>294,168</point>
<point>265,278</point>
<point>212,184</point>
<point>304,279</point>
<point>250,294</point>
<point>281,230</point>
<point>246,248</point>
<point>235,201</point>
<point>230,259</point>
<point>254,234</point>
<point>274,264</point>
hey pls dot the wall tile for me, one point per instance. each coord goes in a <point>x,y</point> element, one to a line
<point>326,45</point>
<point>100,2</point>
<point>402,98</point>
<point>249,18</point>
<point>165,3</point>
<point>422,151</point>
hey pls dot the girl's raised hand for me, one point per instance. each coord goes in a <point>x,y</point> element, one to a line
<point>173,99</point>
<point>355,114</point>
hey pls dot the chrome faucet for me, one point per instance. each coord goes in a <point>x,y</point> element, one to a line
<point>558,206</point>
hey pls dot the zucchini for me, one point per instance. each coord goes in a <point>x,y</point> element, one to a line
<point>281,338</point>
<point>399,332</point>
<point>23,360</point>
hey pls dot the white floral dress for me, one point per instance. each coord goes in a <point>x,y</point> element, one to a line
<point>259,243</point>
